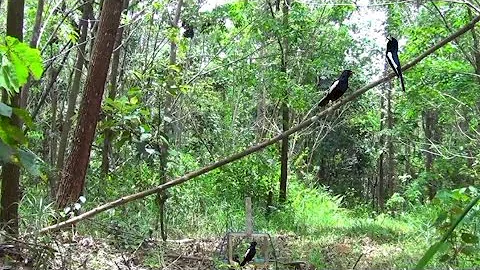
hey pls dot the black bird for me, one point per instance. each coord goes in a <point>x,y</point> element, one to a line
<point>236,259</point>
<point>236,262</point>
<point>393,60</point>
<point>337,89</point>
<point>249,254</point>
<point>189,33</point>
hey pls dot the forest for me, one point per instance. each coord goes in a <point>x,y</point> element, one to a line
<point>239,134</point>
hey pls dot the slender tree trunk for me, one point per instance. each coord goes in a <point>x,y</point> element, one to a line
<point>476,49</point>
<point>408,164</point>
<point>33,44</point>
<point>73,175</point>
<point>53,132</point>
<point>167,125</point>
<point>430,118</point>
<point>72,97</point>
<point>389,144</point>
<point>284,155</point>
<point>260,135</point>
<point>10,172</point>
<point>381,164</point>
<point>285,111</point>
<point>112,93</point>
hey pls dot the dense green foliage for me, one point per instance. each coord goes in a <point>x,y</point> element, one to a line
<point>17,62</point>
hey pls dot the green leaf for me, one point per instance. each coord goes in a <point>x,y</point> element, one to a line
<point>435,247</point>
<point>24,116</point>
<point>444,258</point>
<point>5,110</point>
<point>10,134</point>
<point>441,218</point>
<point>6,152</point>
<point>468,250</point>
<point>25,59</point>
<point>17,61</point>
<point>8,78</point>
<point>134,100</point>
<point>29,161</point>
<point>469,238</point>
<point>175,68</point>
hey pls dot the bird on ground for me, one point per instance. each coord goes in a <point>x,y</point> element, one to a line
<point>236,259</point>
<point>337,89</point>
<point>393,60</point>
<point>249,254</point>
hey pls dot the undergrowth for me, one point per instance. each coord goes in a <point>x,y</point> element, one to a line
<point>326,233</point>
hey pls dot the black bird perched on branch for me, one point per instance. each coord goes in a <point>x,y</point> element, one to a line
<point>393,60</point>
<point>249,254</point>
<point>189,33</point>
<point>337,89</point>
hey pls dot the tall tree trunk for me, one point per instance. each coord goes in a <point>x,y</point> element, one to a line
<point>389,145</point>
<point>166,122</point>
<point>53,132</point>
<point>381,164</point>
<point>476,49</point>
<point>260,135</point>
<point>10,172</point>
<point>284,155</point>
<point>112,93</point>
<point>430,119</point>
<point>72,97</point>
<point>285,111</point>
<point>73,175</point>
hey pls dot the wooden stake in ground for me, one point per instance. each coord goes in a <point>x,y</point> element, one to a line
<point>259,146</point>
<point>248,216</point>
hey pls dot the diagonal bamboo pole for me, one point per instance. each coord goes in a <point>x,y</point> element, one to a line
<point>260,146</point>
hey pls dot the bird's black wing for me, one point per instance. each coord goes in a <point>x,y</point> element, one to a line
<point>391,61</point>
<point>328,97</point>
<point>245,257</point>
<point>248,255</point>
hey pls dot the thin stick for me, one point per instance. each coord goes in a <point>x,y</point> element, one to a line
<point>255,148</point>
<point>359,257</point>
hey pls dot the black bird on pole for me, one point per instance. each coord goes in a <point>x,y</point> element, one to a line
<point>249,254</point>
<point>337,89</point>
<point>393,60</point>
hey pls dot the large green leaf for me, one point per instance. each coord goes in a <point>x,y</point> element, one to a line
<point>17,62</point>
<point>6,152</point>
<point>435,247</point>
<point>25,59</point>
<point>29,161</point>
<point>24,116</point>
<point>8,78</point>
<point>5,110</point>
<point>10,134</point>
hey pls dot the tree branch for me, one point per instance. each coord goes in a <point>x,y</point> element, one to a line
<point>257,147</point>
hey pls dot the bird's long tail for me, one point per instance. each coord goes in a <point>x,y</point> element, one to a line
<point>401,80</point>
<point>243,262</point>
<point>324,101</point>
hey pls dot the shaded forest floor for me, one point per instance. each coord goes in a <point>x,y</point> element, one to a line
<point>313,229</point>
<point>203,254</point>
<point>334,249</point>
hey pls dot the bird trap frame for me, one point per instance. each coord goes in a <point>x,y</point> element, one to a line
<point>263,239</point>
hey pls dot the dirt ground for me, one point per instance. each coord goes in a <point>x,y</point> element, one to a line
<point>85,252</point>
